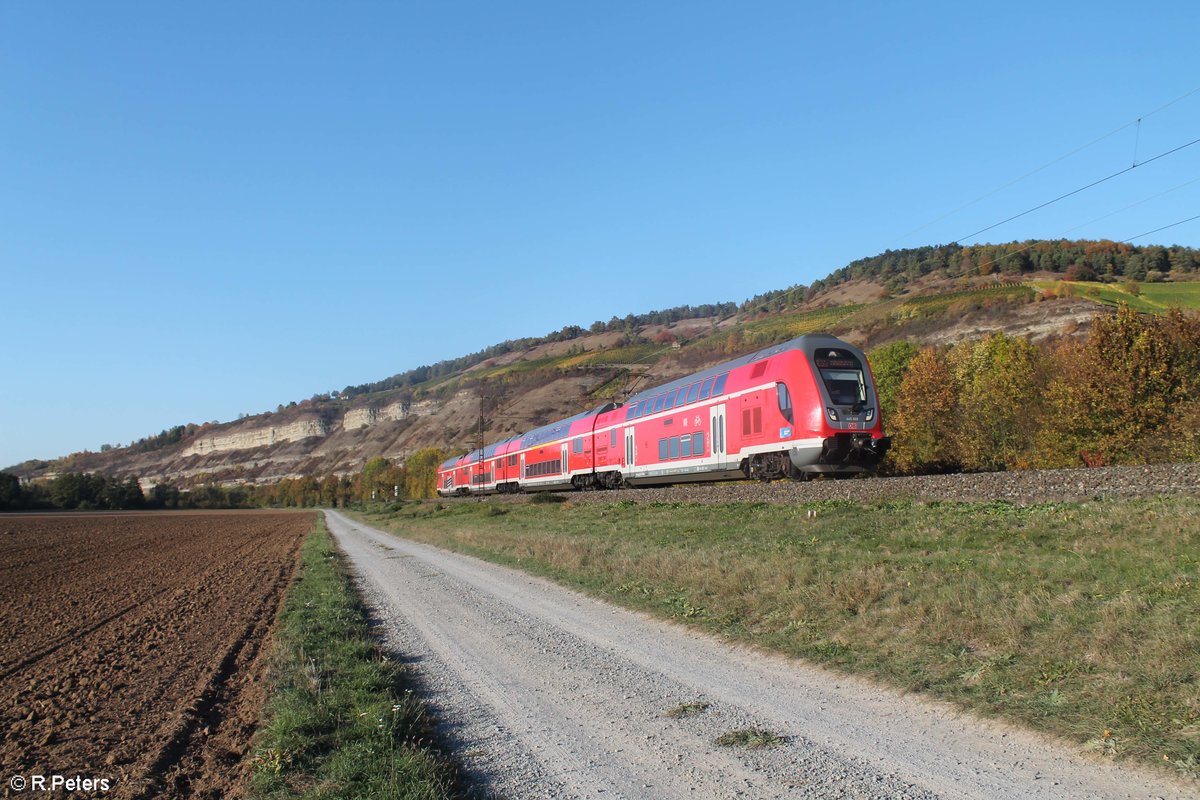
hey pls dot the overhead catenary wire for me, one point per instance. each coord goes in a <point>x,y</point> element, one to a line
<point>1073,192</point>
<point>1051,163</point>
<point>1132,205</point>
<point>1163,228</point>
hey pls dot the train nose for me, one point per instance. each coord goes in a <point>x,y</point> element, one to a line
<point>853,449</point>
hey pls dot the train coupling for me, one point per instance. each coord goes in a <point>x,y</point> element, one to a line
<point>854,450</point>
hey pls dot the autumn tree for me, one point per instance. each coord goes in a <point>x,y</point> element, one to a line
<point>923,426</point>
<point>999,379</point>
<point>1115,398</point>
<point>378,479</point>
<point>421,469</point>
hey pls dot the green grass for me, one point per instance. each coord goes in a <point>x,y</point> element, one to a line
<point>341,721</point>
<point>752,738</point>
<point>1077,619</point>
<point>685,710</point>
<point>1152,298</point>
<point>1184,295</point>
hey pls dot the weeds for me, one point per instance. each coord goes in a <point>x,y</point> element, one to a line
<point>752,738</point>
<point>684,710</point>
<point>340,721</point>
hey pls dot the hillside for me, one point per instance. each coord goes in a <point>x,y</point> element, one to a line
<point>926,295</point>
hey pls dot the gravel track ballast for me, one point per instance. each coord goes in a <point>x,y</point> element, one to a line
<point>1021,487</point>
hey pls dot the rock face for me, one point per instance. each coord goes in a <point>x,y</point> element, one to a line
<point>366,416</point>
<point>249,438</point>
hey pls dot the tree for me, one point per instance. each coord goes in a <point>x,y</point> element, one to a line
<point>1114,398</point>
<point>924,422</point>
<point>888,366</point>
<point>11,494</point>
<point>999,402</point>
<point>379,477</point>
<point>421,470</point>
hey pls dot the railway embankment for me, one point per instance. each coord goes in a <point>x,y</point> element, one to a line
<point>1020,487</point>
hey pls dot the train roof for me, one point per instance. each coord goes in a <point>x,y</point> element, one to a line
<point>807,341</point>
<point>488,451</point>
<point>559,429</point>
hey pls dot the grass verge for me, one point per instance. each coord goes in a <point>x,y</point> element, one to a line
<point>341,721</point>
<point>1077,619</point>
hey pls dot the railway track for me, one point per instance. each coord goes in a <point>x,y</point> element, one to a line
<point>1022,487</point>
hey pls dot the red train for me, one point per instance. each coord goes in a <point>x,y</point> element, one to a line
<point>801,408</point>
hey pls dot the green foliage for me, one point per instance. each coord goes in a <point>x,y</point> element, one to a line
<point>421,468</point>
<point>12,495</point>
<point>86,491</point>
<point>999,402</point>
<point>888,366</point>
<point>1104,259</point>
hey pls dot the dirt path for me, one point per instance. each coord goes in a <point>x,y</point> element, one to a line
<point>550,694</point>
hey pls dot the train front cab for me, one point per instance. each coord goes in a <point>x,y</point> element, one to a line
<point>844,429</point>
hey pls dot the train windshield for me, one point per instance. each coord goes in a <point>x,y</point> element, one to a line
<point>843,376</point>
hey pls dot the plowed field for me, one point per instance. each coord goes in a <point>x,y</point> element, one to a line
<point>131,645</point>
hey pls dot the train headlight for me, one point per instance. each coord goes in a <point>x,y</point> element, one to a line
<point>870,414</point>
<point>832,414</point>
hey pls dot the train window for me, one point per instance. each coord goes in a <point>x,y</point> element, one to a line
<point>670,402</point>
<point>692,392</point>
<point>719,386</point>
<point>706,388</point>
<point>641,409</point>
<point>614,437</point>
<point>785,401</point>
<point>577,445</point>
<point>629,413</point>
<point>697,444</point>
<point>674,447</point>
<point>658,403</point>
<point>685,446</point>
<point>843,376</point>
<point>662,449</point>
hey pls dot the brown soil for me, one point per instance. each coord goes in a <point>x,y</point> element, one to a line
<point>131,645</point>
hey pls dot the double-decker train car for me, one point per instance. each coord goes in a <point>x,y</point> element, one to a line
<point>801,408</point>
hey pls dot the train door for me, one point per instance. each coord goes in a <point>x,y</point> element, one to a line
<point>521,474</point>
<point>566,467</point>
<point>630,451</point>
<point>717,435</point>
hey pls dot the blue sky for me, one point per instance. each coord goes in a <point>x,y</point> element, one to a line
<point>209,209</point>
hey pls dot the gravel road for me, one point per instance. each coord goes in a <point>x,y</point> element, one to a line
<point>546,693</point>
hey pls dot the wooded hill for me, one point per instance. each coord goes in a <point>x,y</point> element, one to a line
<point>924,296</point>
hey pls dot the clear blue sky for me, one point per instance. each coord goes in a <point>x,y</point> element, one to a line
<point>208,209</point>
